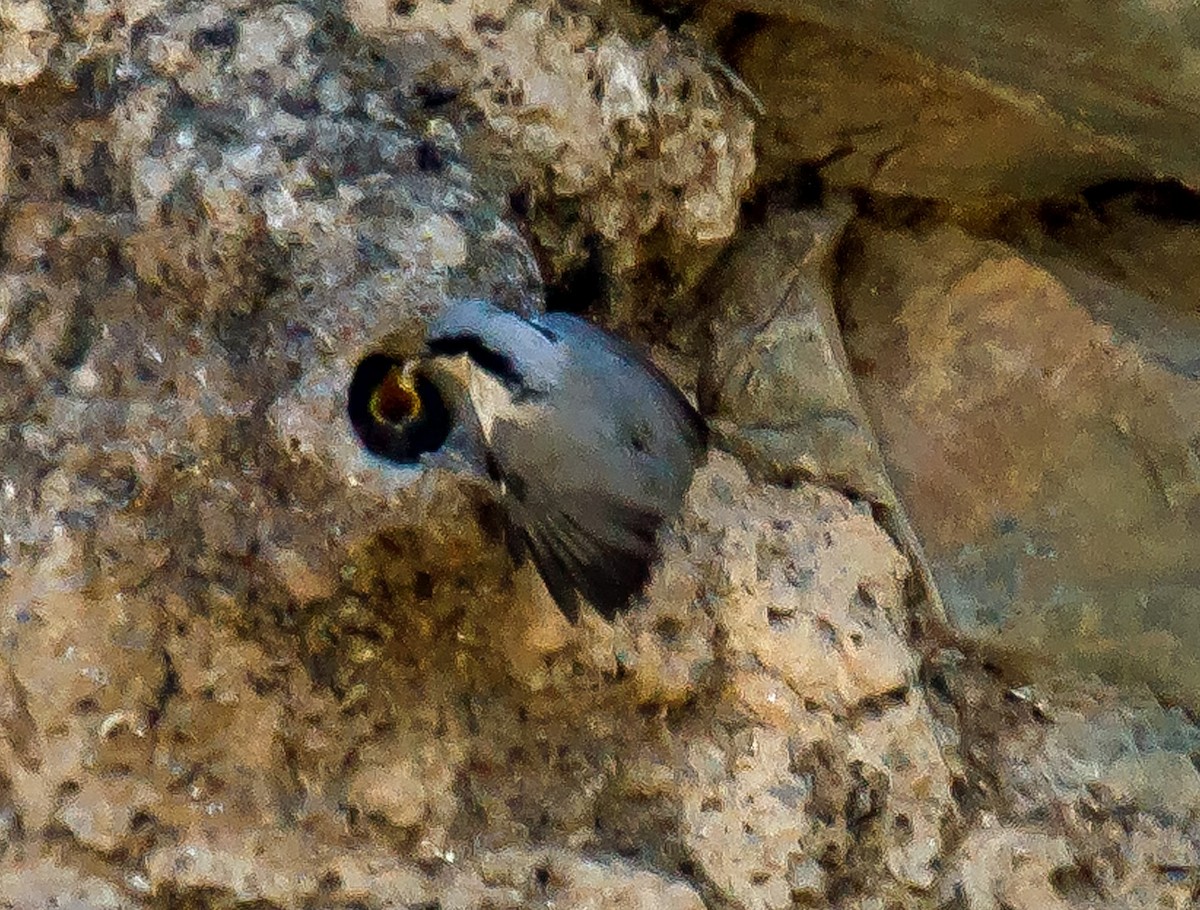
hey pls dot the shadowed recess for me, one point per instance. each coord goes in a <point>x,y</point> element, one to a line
<point>396,416</point>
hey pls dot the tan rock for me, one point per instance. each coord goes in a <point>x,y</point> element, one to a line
<point>1010,867</point>
<point>593,886</point>
<point>249,865</point>
<point>26,39</point>
<point>901,745</point>
<point>876,115</point>
<point>42,883</point>
<point>1162,782</point>
<point>1046,466</point>
<point>640,136</point>
<point>101,812</point>
<point>1068,63</point>
<point>744,818</point>
<point>66,671</point>
<point>408,782</point>
<point>792,601</point>
<point>381,880</point>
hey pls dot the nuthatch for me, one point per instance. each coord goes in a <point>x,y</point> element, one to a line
<point>589,448</point>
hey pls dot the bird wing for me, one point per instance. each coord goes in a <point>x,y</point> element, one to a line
<point>607,566</point>
<point>692,426</point>
<point>585,538</point>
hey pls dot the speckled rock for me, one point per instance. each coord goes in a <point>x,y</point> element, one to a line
<point>1092,804</point>
<point>42,884</point>
<point>81,668</point>
<point>832,755</point>
<point>243,663</point>
<point>1005,867</point>
<point>632,138</point>
<point>39,38</point>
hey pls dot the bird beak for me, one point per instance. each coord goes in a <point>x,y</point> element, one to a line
<point>395,399</point>
<point>456,369</point>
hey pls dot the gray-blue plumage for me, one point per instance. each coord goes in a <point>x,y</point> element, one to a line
<point>591,447</point>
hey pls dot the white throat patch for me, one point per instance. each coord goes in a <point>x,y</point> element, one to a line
<point>490,398</point>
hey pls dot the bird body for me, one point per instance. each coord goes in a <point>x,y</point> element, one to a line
<point>590,447</point>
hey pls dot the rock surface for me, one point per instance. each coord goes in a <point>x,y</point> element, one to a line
<point>619,143</point>
<point>245,664</point>
<point>1124,74</point>
<point>1050,469</point>
<point>885,116</point>
<point>775,382</point>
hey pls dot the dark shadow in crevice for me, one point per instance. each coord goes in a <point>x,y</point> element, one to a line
<point>584,288</point>
<point>1168,200</point>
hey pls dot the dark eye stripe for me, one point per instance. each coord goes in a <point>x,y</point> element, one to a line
<point>548,334</point>
<point>491,360</point>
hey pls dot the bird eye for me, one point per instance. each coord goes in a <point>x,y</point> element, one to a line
<point>397,414</point>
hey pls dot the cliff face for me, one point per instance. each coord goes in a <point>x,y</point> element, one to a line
<point>1123,74</point>
<point>245,663</point>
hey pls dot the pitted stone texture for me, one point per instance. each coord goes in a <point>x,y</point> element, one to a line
<point>633,137</point>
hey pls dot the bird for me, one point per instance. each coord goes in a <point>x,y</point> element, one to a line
<point>587,446</point>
